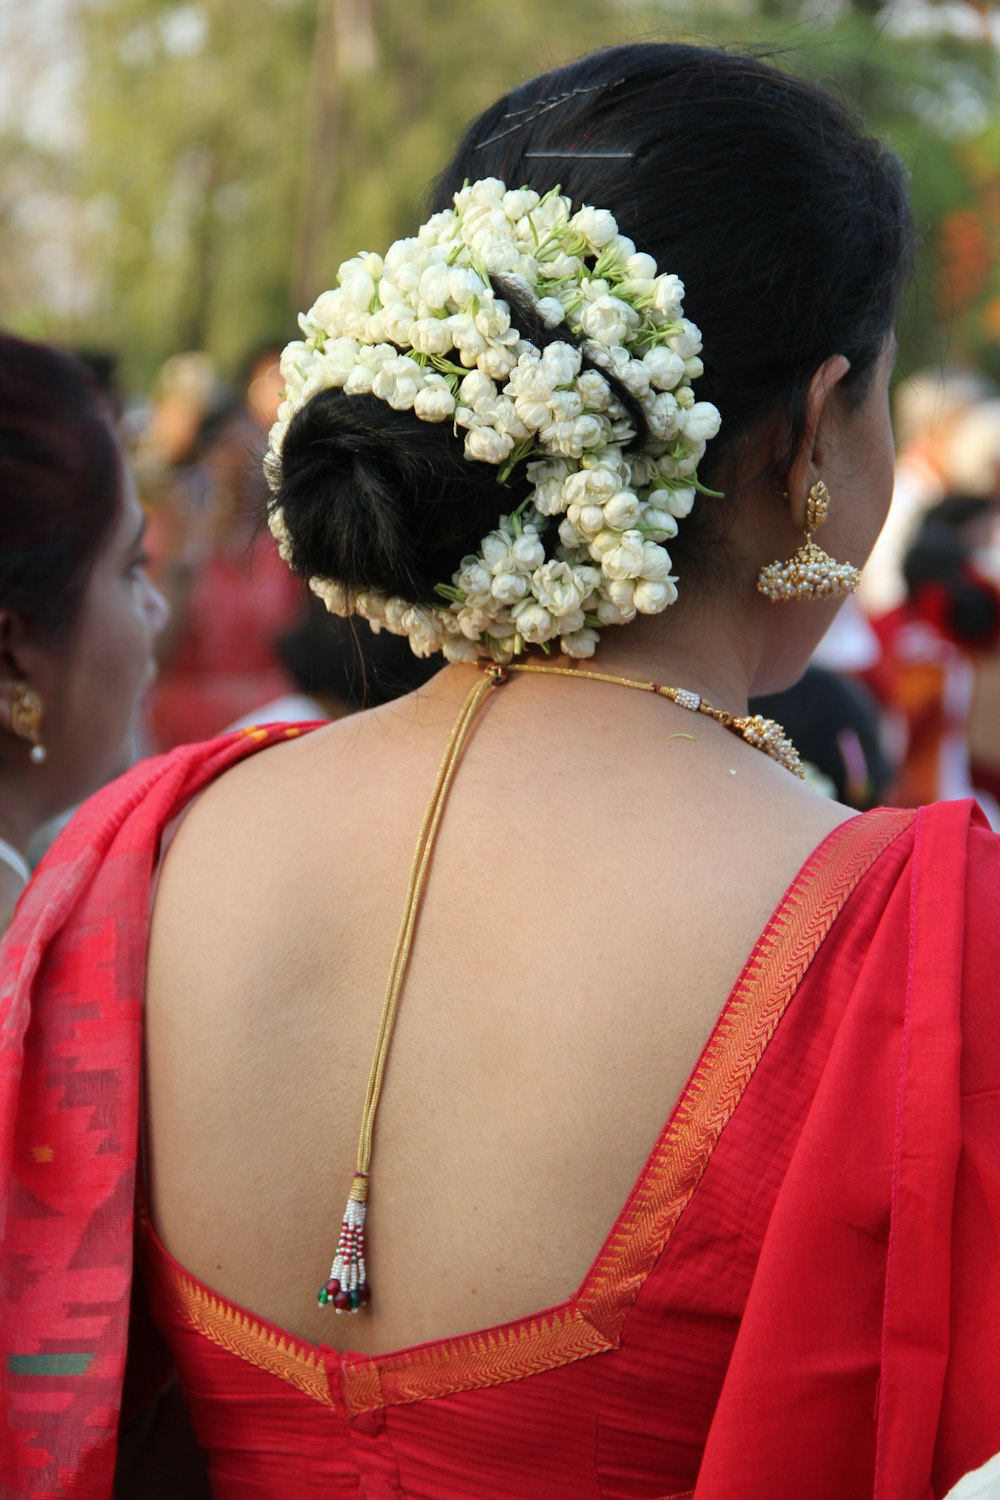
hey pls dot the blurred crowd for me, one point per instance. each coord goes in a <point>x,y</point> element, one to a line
<point>246,642</point>
<point>901,705</point>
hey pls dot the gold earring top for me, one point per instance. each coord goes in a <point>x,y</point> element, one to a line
<point>817,506</point>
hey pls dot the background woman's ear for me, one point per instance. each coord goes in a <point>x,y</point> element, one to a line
<point>811,452</point>
<point>9,674</point>
<point>16,663</point>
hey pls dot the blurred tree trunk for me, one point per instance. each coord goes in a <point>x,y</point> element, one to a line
<point>196,317</point>
<point>344,55</point>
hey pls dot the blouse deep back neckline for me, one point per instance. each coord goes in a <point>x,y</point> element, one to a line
<point>591,1320</point>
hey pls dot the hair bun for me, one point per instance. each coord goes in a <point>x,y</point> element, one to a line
<point>377,499</point>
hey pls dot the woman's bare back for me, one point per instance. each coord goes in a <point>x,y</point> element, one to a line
<point>599,880</point>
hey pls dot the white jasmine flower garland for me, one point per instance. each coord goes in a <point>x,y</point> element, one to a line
<point>424,331</point>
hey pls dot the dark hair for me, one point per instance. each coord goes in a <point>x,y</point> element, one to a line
<point>942,582</point>
<point>834,723</point>
<point>60,481</point>
<point>346,660</point>
<point>787,223</point>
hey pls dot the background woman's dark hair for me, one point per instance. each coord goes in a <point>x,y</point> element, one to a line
<point>941,579</point>
<point>788,224</point>
<point>340,660</point>
<point>834,724</point>
<point>60,482</point>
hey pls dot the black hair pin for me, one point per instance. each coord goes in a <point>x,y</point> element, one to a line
<point>532,112</point>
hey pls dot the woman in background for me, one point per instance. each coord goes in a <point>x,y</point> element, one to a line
<point>78,616</point>
<point>229,594</point>
<point>938,670</point>
<point>338,669</point>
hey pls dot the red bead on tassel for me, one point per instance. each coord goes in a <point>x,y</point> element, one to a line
<point>347,1288</point>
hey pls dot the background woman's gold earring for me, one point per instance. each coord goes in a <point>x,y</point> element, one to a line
<point>26,719</point>
<point>811,573</point>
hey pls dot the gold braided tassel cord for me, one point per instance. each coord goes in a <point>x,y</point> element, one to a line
<point>347,1285</point>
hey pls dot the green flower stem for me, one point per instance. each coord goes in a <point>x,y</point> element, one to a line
<point>447,366</point>
<point>609,266</point>
<point>704,490</point>
<point>520,451</point>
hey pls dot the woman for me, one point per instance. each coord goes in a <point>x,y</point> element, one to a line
<point>797,1295</point>
<point>78,615</point>
<point>229,593</point>
<point>939,649</point>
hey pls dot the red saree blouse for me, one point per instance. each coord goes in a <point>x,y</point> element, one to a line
<point>801,1296</point>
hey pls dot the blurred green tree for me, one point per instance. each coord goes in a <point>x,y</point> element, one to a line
<point>192,122</point>
<point>925,75</point>
<point>230,157</point>
<point>237,161</point>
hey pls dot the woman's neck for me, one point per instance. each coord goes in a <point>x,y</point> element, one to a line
<point>11,858</point>
<point>21,815</point>
<point>685,648</point>
<point>12,883</point>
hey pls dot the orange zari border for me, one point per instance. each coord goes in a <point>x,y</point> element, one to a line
<point>246,1337</point>
<point>591,1321</point>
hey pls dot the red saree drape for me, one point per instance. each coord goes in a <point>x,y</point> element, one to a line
<point>71,976</point>
<point>867,1359</point>
<point>883,1247</point>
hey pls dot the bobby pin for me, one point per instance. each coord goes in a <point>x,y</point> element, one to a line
<point>583,155</point>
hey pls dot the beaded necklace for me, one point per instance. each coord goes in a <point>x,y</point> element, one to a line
<point>346,1287</point>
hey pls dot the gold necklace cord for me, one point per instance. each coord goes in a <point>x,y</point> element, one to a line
<point>414,893</point>
<point>704,707</point>
<point>759,733</point>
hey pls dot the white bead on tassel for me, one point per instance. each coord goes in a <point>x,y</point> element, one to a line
<point>347,1287</point>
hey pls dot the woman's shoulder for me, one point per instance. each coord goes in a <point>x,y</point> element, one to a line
<point>955,832</point>
<point>127,817</point>
<point>955,857</point>
<point>954,932</point>
<point>960,833</point>
<point>157,785</point>
<point>982,866</point>
<point>247,842</point>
